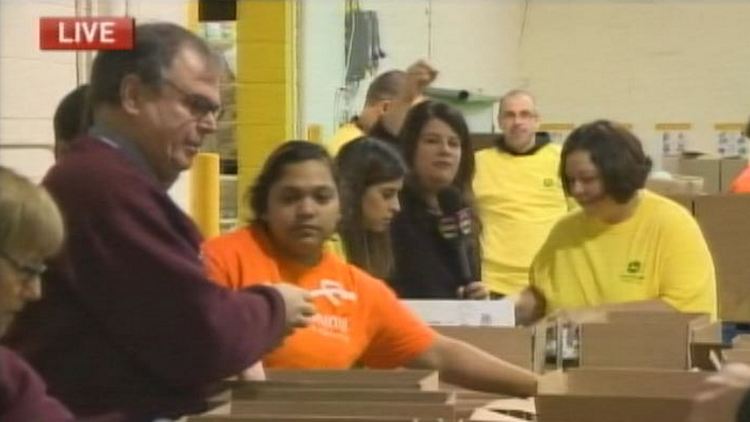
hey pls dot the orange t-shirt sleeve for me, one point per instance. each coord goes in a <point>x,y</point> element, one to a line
<point>399,335</point>
<point>215,268</point>
<point>223,260</point>
<point>741,184</point>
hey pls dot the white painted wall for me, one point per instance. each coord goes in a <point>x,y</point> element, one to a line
<point>472,43</point>
<point>321,61</point>
<point>640,62</point>
<point>31,83</point>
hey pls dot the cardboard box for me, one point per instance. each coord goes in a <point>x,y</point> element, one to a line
<point>639,339</point>
<point>736,356</point>
<point>475,313</point>
<point>343,409</point>
<point>588,395</point>
<point>301,418</point>
<point>506,410</point>
<point>487,415</point>
<point>707,340</point>
<point>741,341</point>
<point>341,395</point>
<point>730,169</point>
<point>512,344</point>
<point>717,173</point>
<point>686,200</point>
<point>261,392</point>
<point>649,334</point>
<point>706,167</point>
<point>677,185</point>
<point>645,344</point>
<point>420,379</point>
<point>725,222</point>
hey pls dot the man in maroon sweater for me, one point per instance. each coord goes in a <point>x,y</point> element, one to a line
<point>128,322</point>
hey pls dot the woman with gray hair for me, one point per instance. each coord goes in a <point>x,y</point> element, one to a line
<point>31,230</point>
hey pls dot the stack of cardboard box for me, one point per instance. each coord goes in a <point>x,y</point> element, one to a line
<point>331,395</point>
<point>726,226</point>
<point>724,221</point>
<point>717,173</point>
<point>630,362</point>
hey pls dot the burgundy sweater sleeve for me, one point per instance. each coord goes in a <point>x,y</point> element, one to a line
<point>23,395</point>
<point>135,265</point>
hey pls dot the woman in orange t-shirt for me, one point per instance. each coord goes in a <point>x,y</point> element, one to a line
<point>359,319</point>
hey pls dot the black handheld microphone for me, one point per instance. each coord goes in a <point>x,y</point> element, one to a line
<point>455,227</point>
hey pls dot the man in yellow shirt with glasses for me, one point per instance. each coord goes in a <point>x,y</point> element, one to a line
<point>518,194</point>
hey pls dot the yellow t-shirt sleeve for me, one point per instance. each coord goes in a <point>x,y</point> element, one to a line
<point>343,135</point>
<point>688,275</point>
<point>540,272</point>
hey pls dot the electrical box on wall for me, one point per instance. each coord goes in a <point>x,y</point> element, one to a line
<point>217,10</point>
<point>363,51</point>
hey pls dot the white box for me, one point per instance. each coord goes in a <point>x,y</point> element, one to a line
<point>471,313</point>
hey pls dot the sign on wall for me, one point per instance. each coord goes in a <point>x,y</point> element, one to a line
<point>731,140</point>
<point>674,138</point>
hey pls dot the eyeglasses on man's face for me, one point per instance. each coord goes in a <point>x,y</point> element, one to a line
<point>521,115</point>
<point>199,105</point>
<point>28,272</point>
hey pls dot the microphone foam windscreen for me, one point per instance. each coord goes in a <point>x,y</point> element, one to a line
<point>450,200</point>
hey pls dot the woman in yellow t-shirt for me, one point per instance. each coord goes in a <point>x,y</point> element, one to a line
<point>359,319</point>
<point>625,243</point>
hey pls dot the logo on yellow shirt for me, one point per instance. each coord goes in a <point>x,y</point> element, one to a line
<point>633,272</point>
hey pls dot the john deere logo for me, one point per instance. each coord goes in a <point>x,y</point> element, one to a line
<point>633,272</point>
<point>634,267</point>
<point>548,183</point>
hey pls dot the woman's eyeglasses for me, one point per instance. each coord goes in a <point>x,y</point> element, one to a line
<point>28,271</point>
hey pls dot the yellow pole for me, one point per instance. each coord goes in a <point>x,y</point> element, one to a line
<point>191,15</point>
<point>266,88</point>
<point>204,193</point>
<point>315,133</point>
